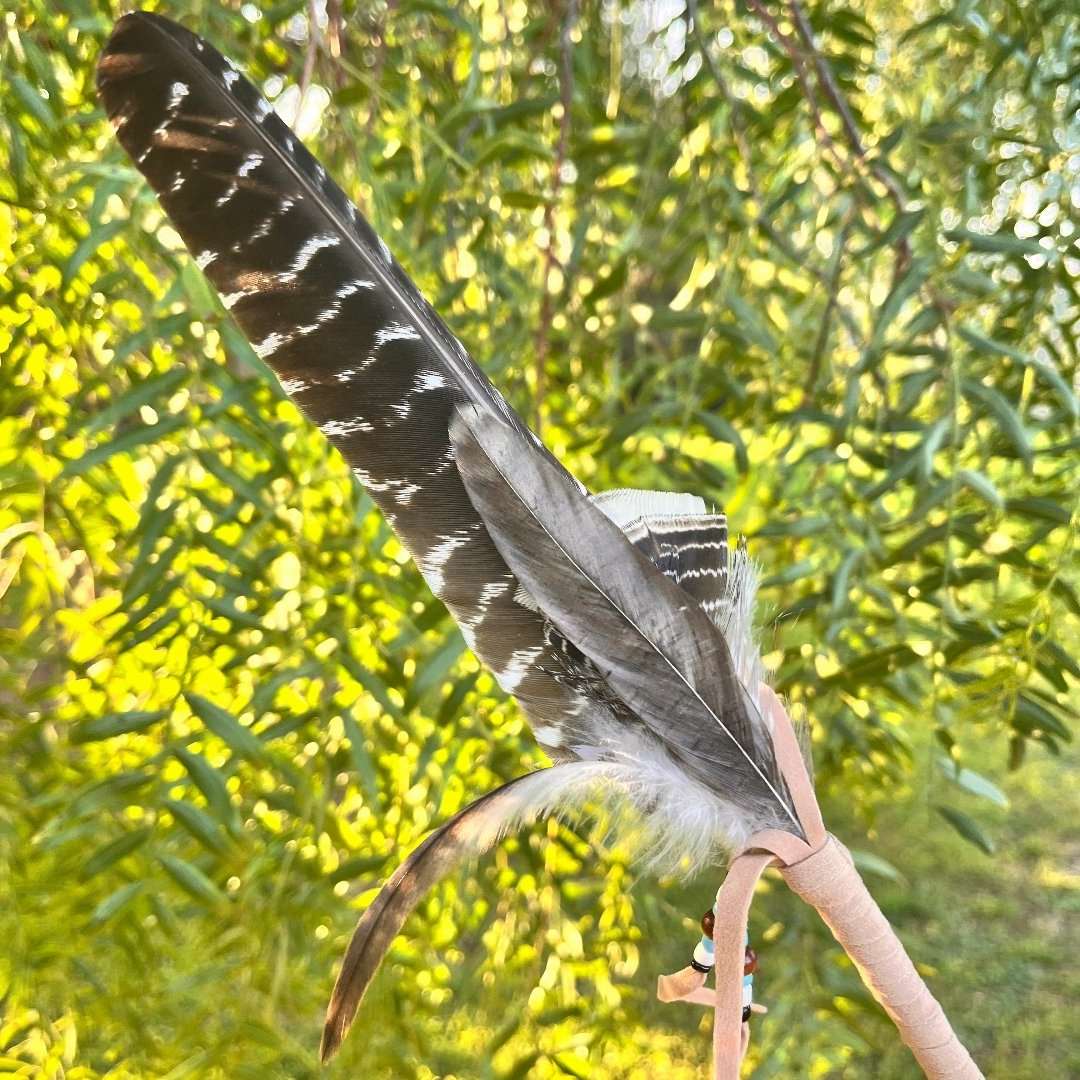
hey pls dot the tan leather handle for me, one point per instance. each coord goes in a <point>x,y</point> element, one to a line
<point>829,882</point>
<point>820,870</point>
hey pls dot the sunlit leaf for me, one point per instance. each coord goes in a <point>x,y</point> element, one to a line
<point>973,782</point>
<point>226,727</point>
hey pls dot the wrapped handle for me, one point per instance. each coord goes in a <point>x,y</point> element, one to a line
<point>829,882</point>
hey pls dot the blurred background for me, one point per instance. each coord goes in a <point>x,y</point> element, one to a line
<point>816,262</point>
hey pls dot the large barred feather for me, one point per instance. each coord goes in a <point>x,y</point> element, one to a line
<point>349,336</point>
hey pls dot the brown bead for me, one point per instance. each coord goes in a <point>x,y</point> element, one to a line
<point>749,961</point>
<point>708,921</point>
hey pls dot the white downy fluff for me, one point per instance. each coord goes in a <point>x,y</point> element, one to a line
<point>636,794</point>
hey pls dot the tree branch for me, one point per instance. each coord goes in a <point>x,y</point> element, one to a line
<point>309,54</point>
<point>551,259</point>
<point>799,67</point>
<point>833,304</point>
<point>831,89</point>
<point>738,129</point>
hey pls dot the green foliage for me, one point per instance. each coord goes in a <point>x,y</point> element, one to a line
<point>822,271</point>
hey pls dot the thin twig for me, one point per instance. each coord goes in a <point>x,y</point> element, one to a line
<point>309,55</point>
<point>781,242</point>
<point>826,78</point>
<point>831,89</point>
<point>862,164</point>
<point>799,67</point>
<point>831,305</point>
<point>551,258</point>
<point>738,129</point>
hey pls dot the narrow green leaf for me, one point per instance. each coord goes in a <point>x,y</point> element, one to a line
<point>840,586</point>
<point>266,691</point>
<point>1049,374</point>
<point>930,445</point>
<point>901,292</point>
<point>450,707</point>
<point>201,297</point>
<point>232,480</point>
<point>868,863</point>
<point>144,433</point>
<point>31,98</point>
<point>998,243</point>
<point>969,829</point>
<point>147,581</point>
<point>436,668</point>
<point>901,469</point>
<point>998,406</point>
<point>1040,508</point>
<point>523,1067</point>
<point>227,609</point>
<point>572,1066</point>
<point>362,762</point>
<point>1062,658</point>
<point>971,281</point>
<point>198,823</point>
<point>114,851</point>
<point>159,388</point>
<point>100,234</point>
<point>210,782</point>
<point>227,728</point>
<point>1032,717</point>
<point>872,666</point>
<point>369,680</point>
<point>166,618</point>
<point>113,724</point>
<point>972,782</point>
<point>115,902</point>
<point>192,880</point>
<point>105,792</point>
<point>749,322</point>
<point>982,485</point>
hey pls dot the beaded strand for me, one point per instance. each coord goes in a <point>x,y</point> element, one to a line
<point>704,959</point>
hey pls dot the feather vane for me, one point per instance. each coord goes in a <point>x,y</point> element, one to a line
<point>327,307</point>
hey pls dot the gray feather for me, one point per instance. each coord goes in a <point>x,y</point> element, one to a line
<point>654,646</point>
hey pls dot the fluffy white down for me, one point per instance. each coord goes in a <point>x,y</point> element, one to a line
<point>636,794</point>
<point>736,622</point>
